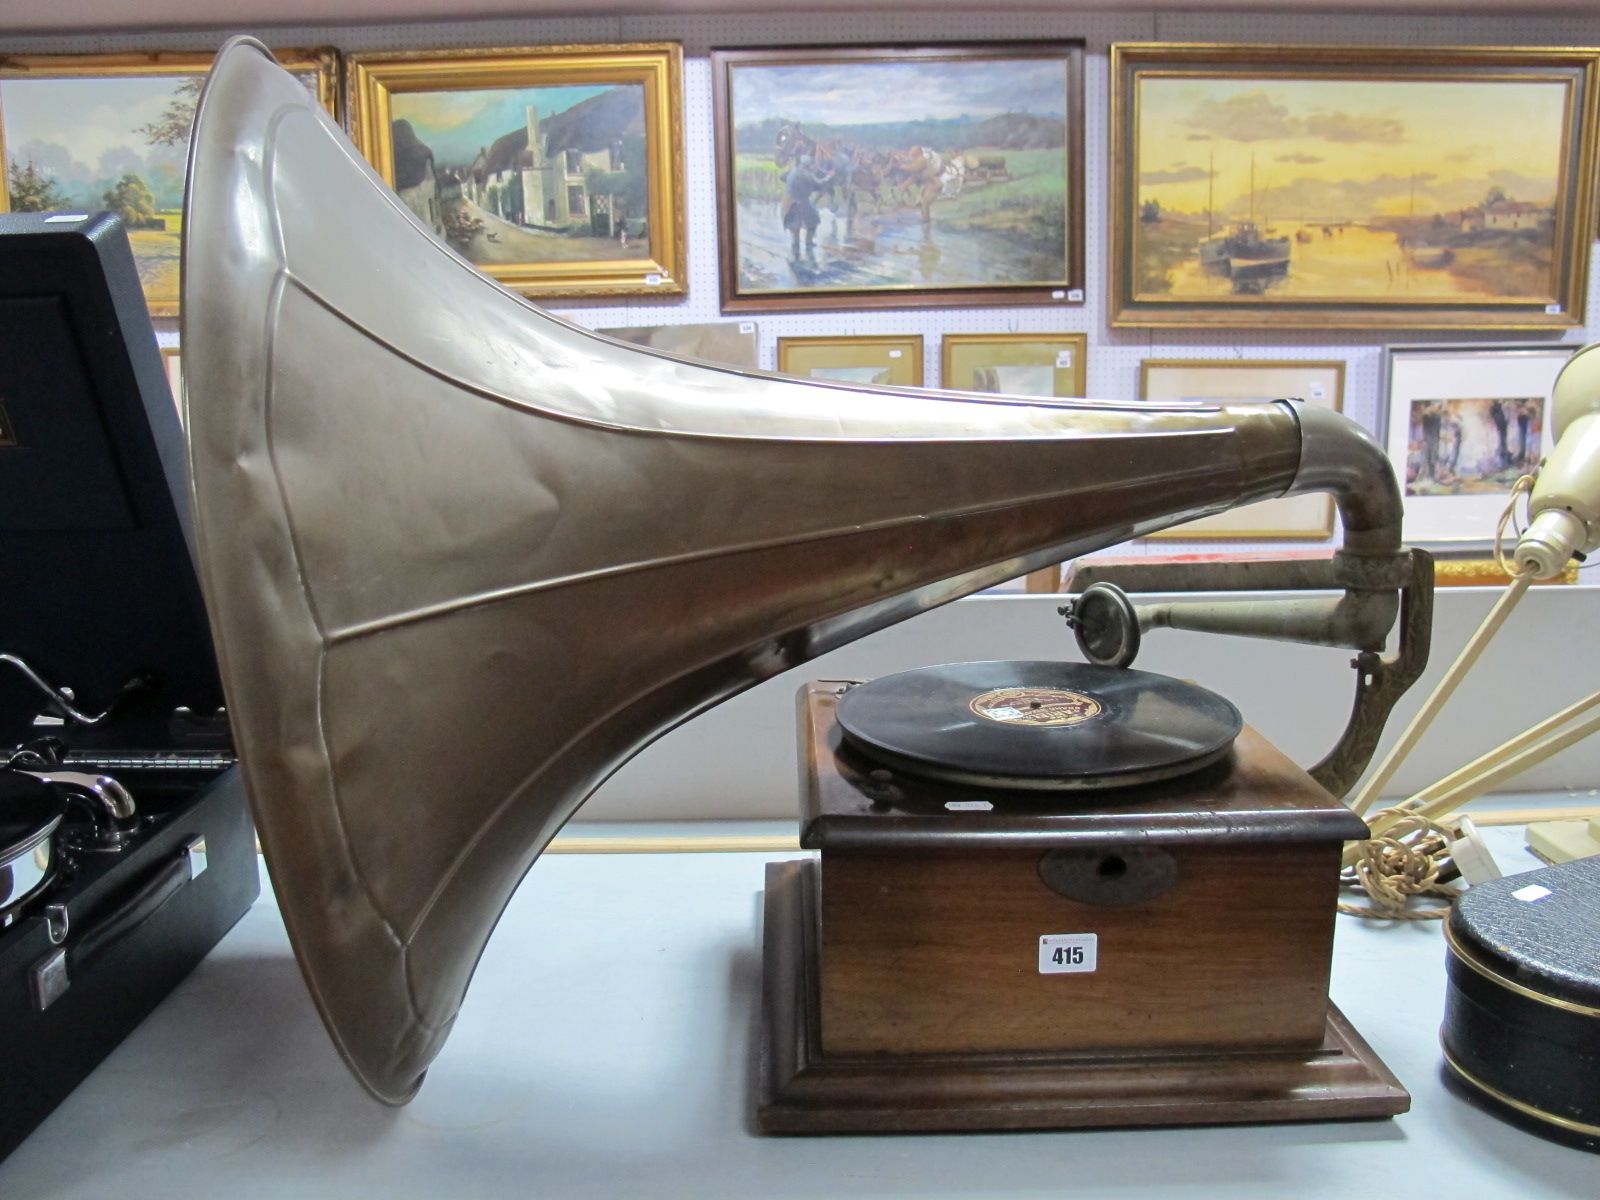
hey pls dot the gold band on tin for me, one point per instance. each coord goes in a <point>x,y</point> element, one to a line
<point>1522,1106</point>
<point>1511,985</point>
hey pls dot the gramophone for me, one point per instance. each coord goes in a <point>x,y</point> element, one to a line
<point>463,559</point>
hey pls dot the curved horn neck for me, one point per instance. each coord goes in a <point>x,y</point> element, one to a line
<point>463,559</point>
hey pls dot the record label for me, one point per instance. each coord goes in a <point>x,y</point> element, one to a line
<point>1036,706</point>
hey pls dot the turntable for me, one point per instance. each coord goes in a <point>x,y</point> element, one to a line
<point>125,845</point>
<point>1053,895</point>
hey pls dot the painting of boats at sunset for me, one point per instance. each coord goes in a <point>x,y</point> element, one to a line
<point>1362,191</point>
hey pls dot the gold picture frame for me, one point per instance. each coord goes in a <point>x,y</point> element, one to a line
<point>1487,572</point>
<point>1314,381</point>
<point>60,113</point>
<point>1352,187</point>
<point>556,170</point>
<point>1015,364</point>
<point>873,361</point>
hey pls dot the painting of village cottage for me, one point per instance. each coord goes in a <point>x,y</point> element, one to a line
<point>1287,191</point>
<point>900,177</point>
<point>554,172</point>
<point>111,132</point>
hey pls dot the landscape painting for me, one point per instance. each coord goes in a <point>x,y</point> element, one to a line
<point>900,177</point>
<point>1015,364</point>
<point>1463,424</point>
<point>554,172</point>
<point>1374,192</point>
<point>535,174</point>
<point>111,132</point>
<point>1479,444</point>
<point>871,361</point>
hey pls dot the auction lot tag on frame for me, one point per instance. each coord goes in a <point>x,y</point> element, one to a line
<point>1068,953</point>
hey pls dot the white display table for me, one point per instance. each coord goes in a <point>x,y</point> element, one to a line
<point>605,1050</point>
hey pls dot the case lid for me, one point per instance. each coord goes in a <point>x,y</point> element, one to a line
<point>1538,929</point>
<point>97,585</point>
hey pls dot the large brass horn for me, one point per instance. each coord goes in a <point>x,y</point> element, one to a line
<point>463,559</point>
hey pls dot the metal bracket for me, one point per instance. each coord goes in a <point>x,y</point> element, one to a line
<point>1109,875</point>
<point>1380,682</point>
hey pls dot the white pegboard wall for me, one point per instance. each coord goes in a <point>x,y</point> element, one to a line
<point>1114,356</point>
<point>1516,28</point>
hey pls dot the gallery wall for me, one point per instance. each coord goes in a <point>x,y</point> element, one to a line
<point>753,776</point>
<point>1114,355</point>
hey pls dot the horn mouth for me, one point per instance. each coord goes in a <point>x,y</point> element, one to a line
<point>428,512</point>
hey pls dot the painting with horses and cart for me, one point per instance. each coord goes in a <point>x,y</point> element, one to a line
<point>1392,186</point>
<point>900,176</point>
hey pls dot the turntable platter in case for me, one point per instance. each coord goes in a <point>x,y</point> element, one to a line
<point>1038,725</point>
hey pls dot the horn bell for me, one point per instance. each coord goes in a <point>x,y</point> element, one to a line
<point>463,559</point>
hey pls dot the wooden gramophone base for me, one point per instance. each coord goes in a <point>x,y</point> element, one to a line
<point>801,1091</point>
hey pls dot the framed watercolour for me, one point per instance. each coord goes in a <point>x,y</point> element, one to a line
<point>111,131</point>
<point>1320,383</point>
<point>1462,424</point>
<point>873,361</point>
<point>557,170</point>
<point>1336,186</point>
<point>1015,364</point>
<point>900,176</point>
<point>726,343</point>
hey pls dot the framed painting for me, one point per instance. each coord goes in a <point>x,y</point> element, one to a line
<point>900,176</point>
<point>872,361</point>
<point>556,170</point>
<point>1462,424</point>
<point>1014,364</point>
<point>726,343</point>
<point>1319,383</point>
<point>111,131</point>
<point>1335,186</point>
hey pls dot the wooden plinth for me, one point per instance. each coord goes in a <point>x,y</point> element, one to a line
<point>804,1091</point>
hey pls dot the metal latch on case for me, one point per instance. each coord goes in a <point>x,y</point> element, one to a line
<point>48,981</point>
<point>195,851</point>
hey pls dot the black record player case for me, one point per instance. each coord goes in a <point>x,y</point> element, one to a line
<point>98,594</point>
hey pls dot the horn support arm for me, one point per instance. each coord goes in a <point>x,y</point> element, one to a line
<point>1376,579</point>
